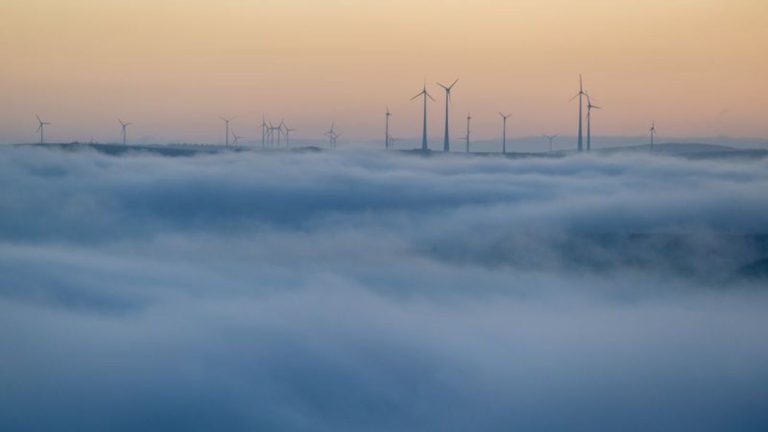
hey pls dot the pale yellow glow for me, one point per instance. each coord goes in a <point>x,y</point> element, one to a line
<point>698,67</point>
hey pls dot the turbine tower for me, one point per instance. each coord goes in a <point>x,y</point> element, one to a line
<point>332,135</point>
<point>226,135</point>
<point>387,139</point>
<point>466,138</point>
<point>580,95</point>
<point>264,132</point>
<point>652,131</point>
<point>448,89</point>
<point>41,128</point>
<point>280,131</point>
<point>551,139</point>
<point>425,94</point>
<point>287,132</point>
<point>590,107</point>
<point>124,130</point>
<point>504,118</point>
<point>272,129</point>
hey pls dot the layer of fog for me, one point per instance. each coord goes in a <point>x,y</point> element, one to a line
<point>373,291</point>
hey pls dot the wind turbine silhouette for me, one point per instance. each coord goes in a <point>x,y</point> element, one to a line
<point>466,138</point>
<point>386,130</point>
<point>425,94</point>
<point>236,138</point>
<point>590,107</point>
<point>226,120</point>
<point>551,139</point>
<point>332,135</point>
<point>504,132</point>
<point>652,131</point>
<point>580,95</point>
<point>448,89</point>
<point>264,132</point>
<point>287,131</point>
<point>124,130</point>
<point>280,131</point>
<point>41,128</point>
<point>272,130</point>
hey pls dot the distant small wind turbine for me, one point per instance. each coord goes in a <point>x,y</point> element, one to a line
<point>652,132</point>
<point>280,131</point>
<point>466,138</point>
<point>332,135</point>
<point>386,130</point>
<point>124,130</point>
<point>425,94</point>
<point>504,118</point>
<point>448,89</point>
<point>580,95</point>
<point>236,138</point>
<point>551,139</point>
<point>590,107</point>
<point>226,121</point>
<point>264,132</point>
<point>272,130</point>
<point>41,128</point>
<point>287,132</point>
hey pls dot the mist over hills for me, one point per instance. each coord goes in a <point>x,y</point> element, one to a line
<point>683,149</point>
<point>362,290</point>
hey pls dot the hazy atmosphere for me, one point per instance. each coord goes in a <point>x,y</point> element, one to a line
<point>328,292</point>
<point>697,67</point>
<point>383,215</point>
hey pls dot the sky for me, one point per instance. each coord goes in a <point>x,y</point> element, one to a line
<point>696,67</point>
<point>324,292</point>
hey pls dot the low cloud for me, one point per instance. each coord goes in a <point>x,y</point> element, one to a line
<point>374,291</point>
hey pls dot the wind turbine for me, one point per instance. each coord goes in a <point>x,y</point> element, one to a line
<point>590,107</point>
<point>332,135</point>
<point>272,130</point>
<point>281,130</point>
<point>580,95</point>
<point>466,138</point>
<point>386,130</point>
<point>236,138</point>
<point>271,134</point>
<point>287,131</point>
<point>264,132</point>
<point>652,131</point>
<point>124,130</point>
<point>504,133</point>
<point>448,89</point>
<point>425,94</point>
<point>226,120</point>
<point>551,139</point>
<point>41,128</point>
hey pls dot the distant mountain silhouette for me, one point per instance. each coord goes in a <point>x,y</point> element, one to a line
<point>691,150</point>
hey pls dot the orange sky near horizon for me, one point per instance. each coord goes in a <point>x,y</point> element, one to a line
<point>698,67</point>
